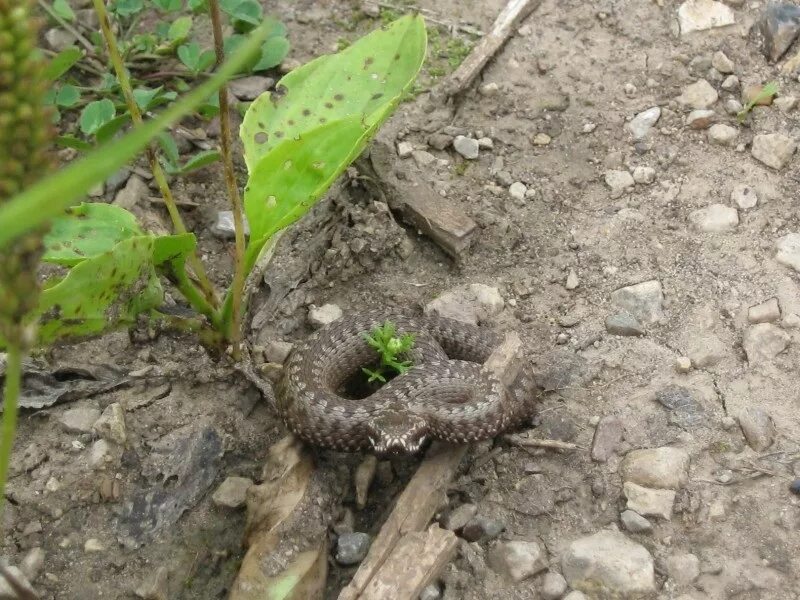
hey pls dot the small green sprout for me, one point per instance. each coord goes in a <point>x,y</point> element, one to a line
<point>768,91</point>
<point>390,347</point>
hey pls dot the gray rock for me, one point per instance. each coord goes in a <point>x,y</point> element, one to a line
<point>788,251</point>
<point>553,586</point>
<point>59,38</point>
<point>763,342</point>
<point>722,135</point>
<point>685,411</point>
<point>757,427</point>
<point>785,104</point>
<point>773,149</point>
<point>232,493</point>
<point>683,364</point>
<point>319,316</point>
<point>466,147</point>
<point>664,467</point>
<point>111,424</point>
<point>404,149</point>
<point>277,351</point>
<point>643,122</point>
<point>706,350</point>
<point>648,501</point>
<point>101,454</point>
<point>423,158</point>
<point>714,218</point>
<point>250,88</point>
<point>701,119</point>
<point>744,196</point>
<point>481,529</point>
<point>489,89</point>
<point>32,563</point>
<point>644,175</point>
<point>722,63</point>
<point>607,436</point>
<point>223,227</point>
<point>698,95</point>
<point>134,191</point>
<point>459,516</point>
<point>682,568</point>
<point>730,83</point>
<point>619,181</point>
<point>541,139</point>
<point>472,303</point>
<point>623,324</point>
<point>779,25</point>
<point>634,522</point>
<point>351,548</point>
<point>572,280</point>
<point>79,420</point>
<point>117,180</point>
<point>608,564</point>
<point>733,106</point>
<point>517,560</point>
<point>766,312</point>
<point>643,301</point>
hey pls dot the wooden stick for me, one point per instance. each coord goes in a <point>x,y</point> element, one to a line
<point>514,12</point>
<point>401,561</point>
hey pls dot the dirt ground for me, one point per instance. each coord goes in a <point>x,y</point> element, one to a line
<point>576,72</point>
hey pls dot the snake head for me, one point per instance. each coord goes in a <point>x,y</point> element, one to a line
<point>397,432</point>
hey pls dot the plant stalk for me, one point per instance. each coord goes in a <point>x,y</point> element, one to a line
<point>234,330</point>
<point>155,166</point>
<point>13,379</point>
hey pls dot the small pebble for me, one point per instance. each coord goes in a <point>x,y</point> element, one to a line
<point>722,135</point>
<point>785,104</point>
<point>489,89</point>
<point>404,149</point>
<point>319,316</point>
<point>683,364</point>
<point>93,545</point>
<point>757,427</point>
<point>773,149</point>
<point>541,139</point>
<point>730,83</point>
<point>572,280</point>
<point>430,592</point>
<point>223,227</point>
<point>459,516</point>
<point>232,493</point>
<point>623,324</point>
<point>351,548</point>
<point>644,175</point>
<point>744,196</point>
<point>766,312</point>
<point>466,147</point>
<point>553,586</point>
<point>517,190</point>
<point>715,218</point>
<point>634,522</point>
<point>607,436</point>
<point>722,63</point>
<point>482,528</point>
<point>619,181</point>
<point>701,119</point>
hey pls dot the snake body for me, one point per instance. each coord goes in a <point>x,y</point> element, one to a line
<point>447,394</point>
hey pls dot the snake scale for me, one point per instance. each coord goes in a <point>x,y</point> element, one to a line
<point>446,394</point>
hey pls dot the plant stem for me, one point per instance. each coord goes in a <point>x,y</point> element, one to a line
<point>155,166</point>
<point>234,333</point>
<point>198,302</point>
<point>9,427</point>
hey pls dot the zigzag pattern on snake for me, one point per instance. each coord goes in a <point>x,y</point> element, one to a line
<point>446,394</point>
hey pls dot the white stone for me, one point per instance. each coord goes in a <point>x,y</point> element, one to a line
<point>485,143</point>
<point>698,95</point>
<point>758,428</point>
<point>788,251</point>
<point>232,493</point>
<point>111,424</point>
<point>79,420</point>
<point>642,301</point>
<point>572,280</point>
<point>277,351</point>
<point>250,88</point>
<point>763,342</point>
<point>697,15</point>
<point>722,63</point>
<point>541,139</point>
<point>319,316</point>
<point>553,586</point>
<point>773,149</point>
<point>730,83</point>
<point>683,569</point>
<point>619,181</point>
<point>100,454</point>
<point>641,124</point>
<point>715,218</point>
<point>785,104</point>
<point>664,467</point>
<point>466,147</point>
<point>93,545</point>
<point>644,175</point>
<point>766,312</point>
<point>649,502</point>
<point>609,565</point>
<point>517,190</point>
<point>472,303</point>
<point>722,135</point>
<point>701,118</point>
<point>423,158</point>
<point>517,560</point>
<point>489,89</point>
<point>404,149</point>
<point>744,196</point>
<point>224,227</point>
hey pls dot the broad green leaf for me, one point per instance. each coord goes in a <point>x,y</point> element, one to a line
<point>62,62</point>
<point>168,5</point>
<point>168,248</point>
<point>197,5</point>
<point>273,52</point>
<point>100,293</point>
<point>63,10</point>
<point>70,141</point>
<point>179,29</point>
<point>67,96</point>
<point>169,147</point>
<point>359,80</point>
<point>289,180</point>
<point>86,231</point>
<point>127,8</point>
<point>248,11</point>
<point>144,97</point>
<point>110,129</point>
<point>189,55</point>
<point>95,115</point>
<point>49,196</point>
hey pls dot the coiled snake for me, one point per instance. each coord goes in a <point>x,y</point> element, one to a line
<point>446,394</point>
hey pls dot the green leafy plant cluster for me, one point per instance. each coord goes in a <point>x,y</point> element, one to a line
<point>99,107</point>
<point>766,93</point>
<point>390,347</point>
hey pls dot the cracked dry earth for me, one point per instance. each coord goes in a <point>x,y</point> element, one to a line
<point>646,253</point>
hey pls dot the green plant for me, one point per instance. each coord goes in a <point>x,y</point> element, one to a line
<point>390,348</point>
<point>766,92</point>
